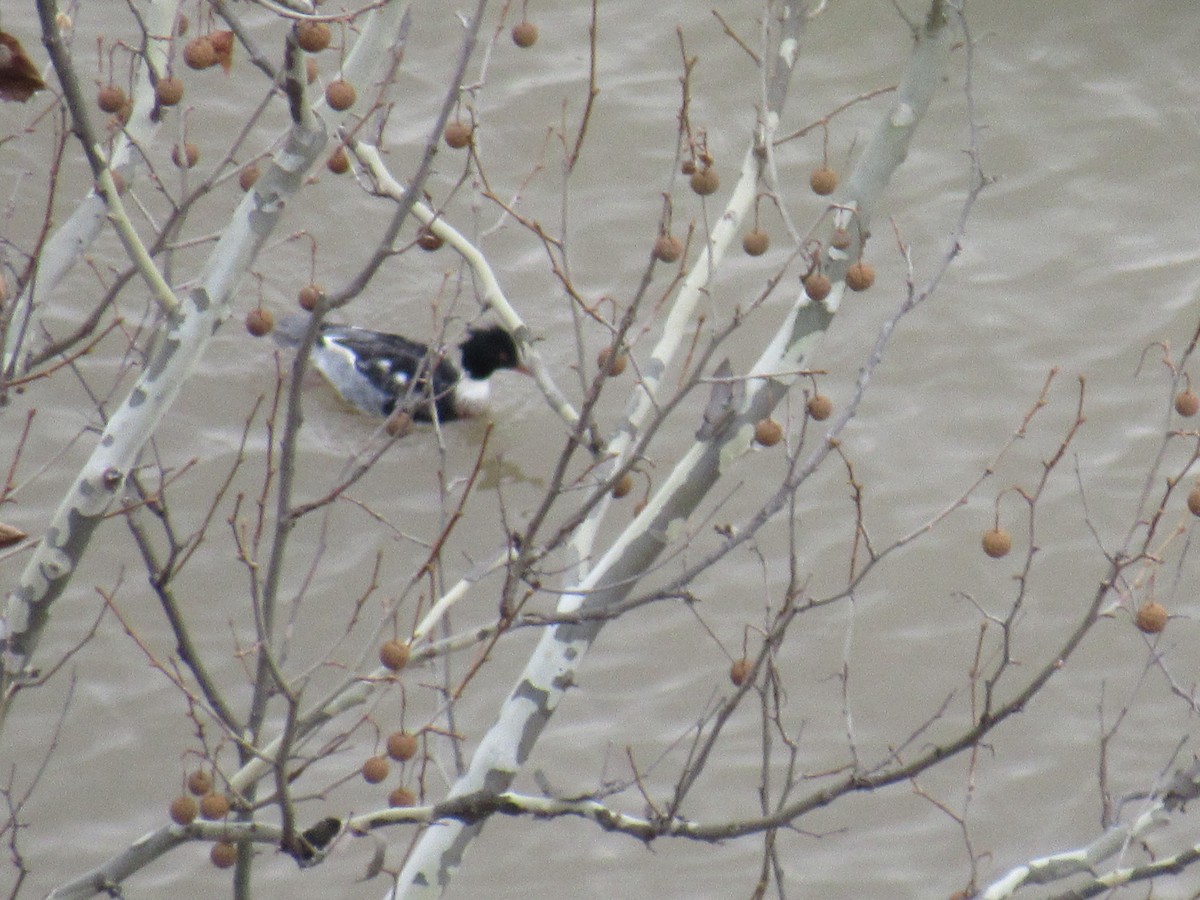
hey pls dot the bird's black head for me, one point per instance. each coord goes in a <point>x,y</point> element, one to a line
<point>487,349</point>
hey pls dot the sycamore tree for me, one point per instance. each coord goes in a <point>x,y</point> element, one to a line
<point>197,161</point>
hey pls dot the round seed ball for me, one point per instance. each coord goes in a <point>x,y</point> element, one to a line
<point>402,746</point>
<point>338,162</point>
<point>309,296</point>
<point>756,242</point>
<point>248,176</point>
<point>667,248</point>
<point>199,53</point>
<point>768,432</point>
<point>394,655</point>
<point>398,423</point>
<point>1151,618</point>
<point>819,407</point>
<point>313,37</point>
<point>375,769</point>
<point>687,167</point>
<point>168,91</point>
<point>860,276</point>
<point>997,543</point>
<point>183,810</point>
<point>618,365</point>
<point>223,854</point>
<point>401,797</point>
<point>623,486</point>
<point>110,98</point>
<point>823,181</point>
<point>259,321</point>
<point>739,671</point>
<point>457,135</point>
<point>525,34</point>
<point>840,239</point>
<point>214,806</point>
<point>1193,501</point>
<point>817,286</point>
<point>199,783</point>
<point>1187,404</point>
<point>340,95</point>
<point>185,157</point>
<point>429,241</point>
<point>705,181</point>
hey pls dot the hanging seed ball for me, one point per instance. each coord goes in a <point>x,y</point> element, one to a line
<point>340,95</point>
<point>313,37</point>
<point>214,806</point>
<point>110,98</point>
<point>524,34</point>
<point>248,176</point>
<point>124,113</point>
<point>394,655</point>
<point>623,486</point>
<point>259,321</point>
<point>185,157</point>
<point>310,70</point>
<point>768,432</point>
<point>199,783</point>
<point>338,162</point>
<point>223,854</point>
<point>457,135</point>
<point>309,296</point>
<point>1151,618</point>
<point>402,746</point>
<point>398,424</point>
<point>739,671</point>
<point>997,543</point>
<point>819,407</point>
<point>181,27</point>
<point>687,167</point>
<point>401,797</point>
<point>183,810</point>
<point>823,181</point>
<point>427,240</point>
<point>860,276</point>
<point>375,769</point>
<point>1193,501</point>
<point>756,242</point>
<point>1187,404</point>
<point>817,286</point>
<point>199,53</point>
<point>840,239</point>
<point>705,181</point>
<point>168,91</point>
<point>618,365</point>
<point>667,248</point>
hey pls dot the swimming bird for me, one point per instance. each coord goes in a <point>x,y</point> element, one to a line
<point>379,372</point>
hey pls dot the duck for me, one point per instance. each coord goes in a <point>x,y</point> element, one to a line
<point>378,372</point>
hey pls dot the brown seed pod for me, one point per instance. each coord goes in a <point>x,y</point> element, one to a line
<point>340,95</point>
<point>248,176</point>
<point>394,655</point>
<point>1151,618</point>
<point>375,769</point>
<point>181,27</point>
<point>687,167</point>
<point>313,37</point>
<point>623,486</point>
<point>997,543</point>
<point>819,407</point>
<point>427,240</point>
<point>183,810</point>
<point>338,162</point>
<point>309,296</point>
<point>110,98</point>
<point>705,181</point>
<point>199,53</point>
<point>402,746</point>
<point>259,321</point>
<point>525,34</point>
<point>223,854</point>
<point>1187,404</point>
<point>402,797</point>
<point>768,432</point>
<point>214,806</point>
<point>185,157</point>
<point>457,134</point>
<point>817,286</point>
<point>397,425</point>
<point>667,248</point>
<point>618,365</point>
<point>1193,501</point>
<point>199,783</point>
<point>739,671</point>
<point>310,70</point>
<point>756,242</point>
<point>860,276</point>
<point>840,239</point>
<point>168,91</point>
<point>823,181</point>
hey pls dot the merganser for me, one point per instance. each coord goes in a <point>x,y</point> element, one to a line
<point>377,372</point>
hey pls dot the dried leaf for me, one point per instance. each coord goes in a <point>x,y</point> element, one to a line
<point>19,78</point>
<point>10,535</point>
<point>222,42</point>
